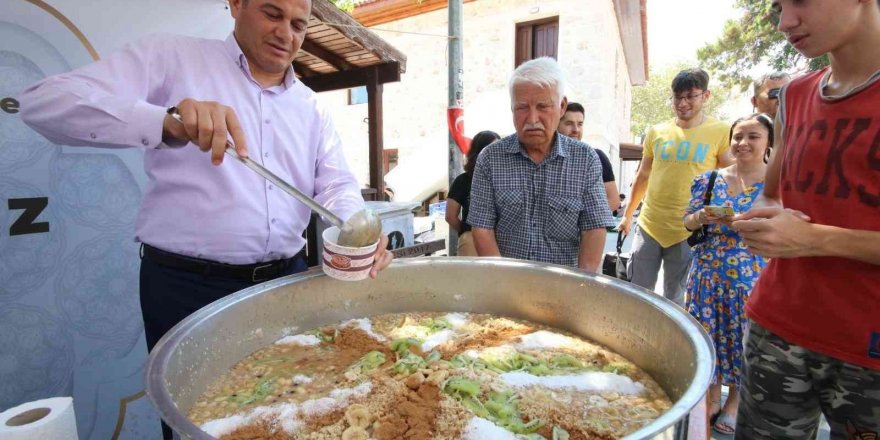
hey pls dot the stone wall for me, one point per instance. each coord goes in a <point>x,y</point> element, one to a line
<point>590,52</point>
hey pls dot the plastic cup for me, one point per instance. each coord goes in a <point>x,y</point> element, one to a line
<point>343,262</point>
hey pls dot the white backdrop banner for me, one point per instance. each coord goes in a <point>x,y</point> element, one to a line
<point>70,322</point>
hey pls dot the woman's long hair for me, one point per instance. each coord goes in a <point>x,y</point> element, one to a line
<point>480,141</point>
<point>766,121</point>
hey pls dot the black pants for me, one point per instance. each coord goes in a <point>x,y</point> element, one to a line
<point>169,295</point>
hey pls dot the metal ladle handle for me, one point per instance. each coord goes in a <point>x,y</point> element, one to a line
<point>271,177</point>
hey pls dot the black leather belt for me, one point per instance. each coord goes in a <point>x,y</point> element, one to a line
<point>251,272</point>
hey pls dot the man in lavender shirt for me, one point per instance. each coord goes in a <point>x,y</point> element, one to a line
<point>209,229</point>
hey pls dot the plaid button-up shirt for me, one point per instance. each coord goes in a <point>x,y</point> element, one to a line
<point>539,210</point>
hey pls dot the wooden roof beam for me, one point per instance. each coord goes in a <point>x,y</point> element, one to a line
<point>361,76</point>
<point>302,70</point>
<point>325,55</point>
<point>384,11</point>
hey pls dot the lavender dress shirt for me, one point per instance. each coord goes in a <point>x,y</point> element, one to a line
<point>190,207</point>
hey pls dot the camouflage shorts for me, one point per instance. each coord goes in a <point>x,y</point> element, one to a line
<point>786,386</point>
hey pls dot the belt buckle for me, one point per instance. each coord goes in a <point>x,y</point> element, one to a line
<point>256,269</point>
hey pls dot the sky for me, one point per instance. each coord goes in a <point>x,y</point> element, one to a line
<point>677,28</point>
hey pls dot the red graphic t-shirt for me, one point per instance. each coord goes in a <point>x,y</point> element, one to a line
<point>831,172</point>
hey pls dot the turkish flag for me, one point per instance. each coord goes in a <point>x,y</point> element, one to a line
<point>455,120</point>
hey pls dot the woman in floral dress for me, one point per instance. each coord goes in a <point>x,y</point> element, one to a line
<point>723,270</point>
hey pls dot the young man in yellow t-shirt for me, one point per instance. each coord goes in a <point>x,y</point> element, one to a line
<point>674,153</point>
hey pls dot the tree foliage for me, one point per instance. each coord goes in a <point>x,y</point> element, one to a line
<point>750,42</point>
<point>345,5</point>
<point>651,103</point>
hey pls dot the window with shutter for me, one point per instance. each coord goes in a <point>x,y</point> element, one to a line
<point>537,39</point>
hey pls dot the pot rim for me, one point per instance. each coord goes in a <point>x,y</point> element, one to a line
<point>160,356</point>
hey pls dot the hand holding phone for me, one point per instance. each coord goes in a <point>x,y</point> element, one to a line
<point>719,211</point>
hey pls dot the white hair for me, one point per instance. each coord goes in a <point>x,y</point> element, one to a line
<point>544,71</point>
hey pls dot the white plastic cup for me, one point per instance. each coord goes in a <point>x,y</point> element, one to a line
<point>343,262</point>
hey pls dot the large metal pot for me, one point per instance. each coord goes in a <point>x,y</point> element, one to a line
<point>642,326</point>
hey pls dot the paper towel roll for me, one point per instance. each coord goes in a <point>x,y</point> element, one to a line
<point>46,419</point>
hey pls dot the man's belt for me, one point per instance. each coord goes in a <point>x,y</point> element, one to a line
<point>251,272</point>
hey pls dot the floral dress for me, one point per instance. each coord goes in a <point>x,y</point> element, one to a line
<point>722,274</point>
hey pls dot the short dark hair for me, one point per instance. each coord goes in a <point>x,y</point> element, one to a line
<point>688,79</point>
<point>766,121</point>
<point>577,108</point>
<point>756,85</point>
<point>480,141</point>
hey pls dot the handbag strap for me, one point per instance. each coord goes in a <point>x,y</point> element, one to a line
<point>620,238</point>
<point>707,198</point>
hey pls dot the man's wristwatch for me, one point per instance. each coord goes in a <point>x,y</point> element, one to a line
<point>173,143</point>
<point>175,113</point>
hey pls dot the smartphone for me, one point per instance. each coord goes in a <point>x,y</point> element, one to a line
<point>720,211</point>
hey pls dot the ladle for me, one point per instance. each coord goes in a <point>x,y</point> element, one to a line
<point>362,229</point>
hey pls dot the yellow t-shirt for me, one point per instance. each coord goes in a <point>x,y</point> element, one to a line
<point>679,156</point>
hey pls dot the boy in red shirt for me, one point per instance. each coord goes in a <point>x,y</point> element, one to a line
<point>814,340</point>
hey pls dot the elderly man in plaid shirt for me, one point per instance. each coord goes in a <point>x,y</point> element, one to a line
<point>538,195</point>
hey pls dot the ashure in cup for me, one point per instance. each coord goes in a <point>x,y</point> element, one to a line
<point>346,263</point>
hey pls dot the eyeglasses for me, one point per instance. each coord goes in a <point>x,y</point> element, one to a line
<point>773,93</point>
<point>690,98</point>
